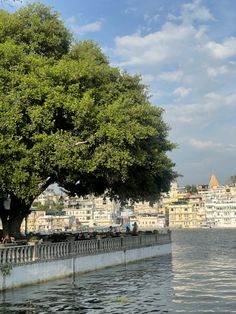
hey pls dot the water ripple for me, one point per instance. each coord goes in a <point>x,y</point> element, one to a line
<point>199,277</point>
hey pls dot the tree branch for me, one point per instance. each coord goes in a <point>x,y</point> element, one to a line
<point>46,184</point>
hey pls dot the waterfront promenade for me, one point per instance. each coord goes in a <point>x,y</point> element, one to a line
<point>28,264</point>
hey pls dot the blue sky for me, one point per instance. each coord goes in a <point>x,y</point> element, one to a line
<point>186,52</point>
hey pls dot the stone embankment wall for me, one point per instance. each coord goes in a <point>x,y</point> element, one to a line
<point>25,265</point>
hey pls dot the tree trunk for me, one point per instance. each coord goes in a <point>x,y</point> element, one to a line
<point>12,218</point>
<point>11,226</point>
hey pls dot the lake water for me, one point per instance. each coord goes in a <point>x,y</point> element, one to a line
<point>198,277</point>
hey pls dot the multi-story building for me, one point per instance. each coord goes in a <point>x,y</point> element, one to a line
<point>38,221</point>
<point>92,211</point>
<point>102,218</point>
<point>219,204</point>
<point>81,209</point>
<point>187,213</point>
<point>108,210</point>
<point>48,197</point>
<point>149,221</point>
<point>221,213</point>
<point>145,208</point>
<point>214,206</point>
<point>149,217</point>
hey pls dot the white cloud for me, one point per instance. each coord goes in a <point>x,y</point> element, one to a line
<point>172,17</point>
<point>89,28</point>
<point>222,51</point>
<point>200,114</point>
<point>195,11</point>
<point>148,78</point>
<point>205,144</point>
<point>84,28</point>
<point>130,10</point>
<point>154,48</point>
<point>216,71</point>
<point>202,31</point>
<point>157,94</point>
<point>211,145</point>
<point>172,76</point>
<point>71,20</point>
<point>191,78</point>
<point>181,91</point>
<point>216,99</point>
<point>151,18</point>
<point>182,115</point>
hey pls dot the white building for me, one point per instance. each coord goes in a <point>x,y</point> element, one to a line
<point>148,222</point>
<point>91,211</point>
<point>221,213</point>
<point>83,216</point>
<point>102,218</point>
<point>48,197</point>
<point>220,192</point>
<point>38,221</point>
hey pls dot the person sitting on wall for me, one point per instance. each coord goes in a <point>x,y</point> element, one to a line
<point>127,229</point>
<point>135,228</point>
<point>111,231</point>
<point>6,239</point>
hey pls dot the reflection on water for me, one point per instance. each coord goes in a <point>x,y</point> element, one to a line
<point>143,286</point>
<point>198,277</point>
<point>204,271</point>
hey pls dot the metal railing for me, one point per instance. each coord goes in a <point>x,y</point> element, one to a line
<point>24,254</point>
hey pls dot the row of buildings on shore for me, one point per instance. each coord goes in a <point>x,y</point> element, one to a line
<point>211,205</point>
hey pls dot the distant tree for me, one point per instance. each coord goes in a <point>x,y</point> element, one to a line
<point>58,207</point>
<point>54,207</point>
<point>44,207</point>
<point>67,116</point>
<point>192,189</point>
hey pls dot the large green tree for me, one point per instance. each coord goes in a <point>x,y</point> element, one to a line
<point>68,116</point>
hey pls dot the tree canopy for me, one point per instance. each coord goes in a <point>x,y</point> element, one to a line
<point>192,189</point>
<point>68,116</point>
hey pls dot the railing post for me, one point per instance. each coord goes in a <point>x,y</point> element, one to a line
<point>156,236</point>
<point>169,234</point>
<point>34,253</point>
<point>99,244</point>
<point>4,256</point>
<point>71,247</point>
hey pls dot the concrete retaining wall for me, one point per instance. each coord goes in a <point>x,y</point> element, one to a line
<point>33,273</point>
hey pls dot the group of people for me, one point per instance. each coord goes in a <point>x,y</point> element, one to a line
<point>7,239</point>
<point>134,230</point>
<point>113,230</point>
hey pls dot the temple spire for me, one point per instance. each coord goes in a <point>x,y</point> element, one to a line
<point>213,182</point>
